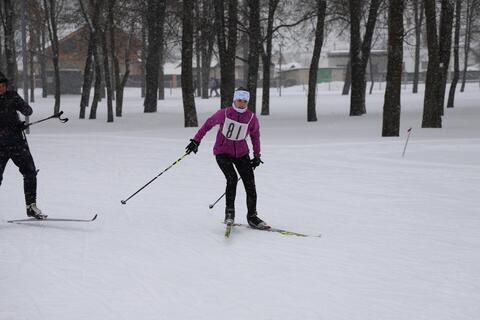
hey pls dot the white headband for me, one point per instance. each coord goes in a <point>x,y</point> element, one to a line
<point>241,95</point>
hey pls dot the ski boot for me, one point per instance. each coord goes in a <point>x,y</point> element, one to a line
<point>229,216</point>
<point>34,212</point>
<point>255,222</point>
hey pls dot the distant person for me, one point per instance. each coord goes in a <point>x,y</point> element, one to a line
<point>231,151</point>
<point>214,87</point>
<point>13,144</point>
<point>196,89</point>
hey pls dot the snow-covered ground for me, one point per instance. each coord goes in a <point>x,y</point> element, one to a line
<point>400,236</point>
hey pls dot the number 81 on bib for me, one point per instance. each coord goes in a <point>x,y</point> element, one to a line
<point>234,130</point>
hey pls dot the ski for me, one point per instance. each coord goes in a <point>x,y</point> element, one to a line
<point>52,220</point>
<point>228,229</point>
<point>277,230</point>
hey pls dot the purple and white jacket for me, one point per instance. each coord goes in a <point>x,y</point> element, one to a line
<point>232,133</point>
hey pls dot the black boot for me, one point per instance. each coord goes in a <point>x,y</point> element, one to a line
<point>34,212</point>
<point>229,215</point>
<point>255,222</point>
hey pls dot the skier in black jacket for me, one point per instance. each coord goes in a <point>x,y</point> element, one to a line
<point>13,144</point>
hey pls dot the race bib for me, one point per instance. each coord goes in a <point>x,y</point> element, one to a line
<point>233,130</point>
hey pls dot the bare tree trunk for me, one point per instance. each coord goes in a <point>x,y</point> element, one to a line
<point>190,113</point>
<point>392,102</point>
<point>43,67</point>
<point>267,58</point>
<point>87,78</point>
<point>92,15</point>
<point>317,50</point>
<point>446,24</point>
<point>107,74</point>
<point>356,109</point>
<point>161,75</point>
<point>468,37</point>
<point>207,42</point>
<point>253,51</point>
<point>114,57</point>
<point>24,51</point>
<point>50,12</point>
<point>418,34</point>
<point>431,111</point>
<point>155,20</point>
<point>97,87</point>
<point>208,28</point>
<point>3,59</point>
<point>226,48</point>
<point>121,84</point>
<point>360,53</point>
<point>456,58</point>
<point>372,76</point>
<point>10,50</point>
<point>348,77</point>
<point>143,56</point>
<point>198,49</point>
<point>32,72</point>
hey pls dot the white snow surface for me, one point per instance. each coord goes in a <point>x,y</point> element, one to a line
<point>400,237</point>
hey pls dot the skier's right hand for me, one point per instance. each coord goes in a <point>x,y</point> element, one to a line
<point>192,147</point>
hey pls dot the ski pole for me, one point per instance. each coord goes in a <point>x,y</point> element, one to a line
<point>56,115</point>
<point>210,206</point>
<point>406,142</point>
<point>177,161</point>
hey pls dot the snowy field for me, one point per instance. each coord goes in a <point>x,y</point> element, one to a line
<point>400,236</point>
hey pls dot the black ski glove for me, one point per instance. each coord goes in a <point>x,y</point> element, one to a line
<point>192,146</point>
<point>21,126</point>
<point>255,162</point>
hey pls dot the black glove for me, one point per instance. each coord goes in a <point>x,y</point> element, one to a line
<point>192,146</point>
<point>255,162</point>
<point>21,126</point>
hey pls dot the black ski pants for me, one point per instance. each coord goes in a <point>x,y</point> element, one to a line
<point>22,158</point>
<point>244,168</point>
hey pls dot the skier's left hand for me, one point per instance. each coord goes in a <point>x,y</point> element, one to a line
<point>22,126</point>
<point>255,162</point>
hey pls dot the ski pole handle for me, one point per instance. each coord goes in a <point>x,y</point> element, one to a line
<point>58,115</point>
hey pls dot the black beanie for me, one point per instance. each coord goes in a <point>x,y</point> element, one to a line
<point>3,79</point>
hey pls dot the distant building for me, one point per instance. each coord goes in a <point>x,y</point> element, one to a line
<point>73,54</point>
<point>332,67</point>
<point>73,51</point>
<point>71,81</point>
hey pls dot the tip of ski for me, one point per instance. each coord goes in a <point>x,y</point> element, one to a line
<point>53,220</point>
